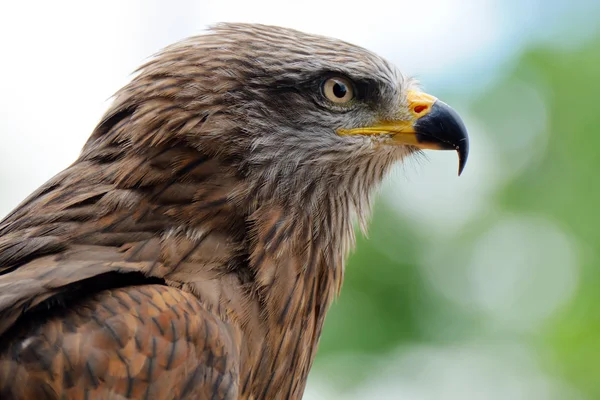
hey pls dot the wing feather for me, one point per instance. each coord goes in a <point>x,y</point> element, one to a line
<point>118,343</point>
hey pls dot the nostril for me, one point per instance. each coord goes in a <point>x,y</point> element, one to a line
<point>420,108</point>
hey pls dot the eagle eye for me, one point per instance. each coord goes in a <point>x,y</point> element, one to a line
<point>338,90</point>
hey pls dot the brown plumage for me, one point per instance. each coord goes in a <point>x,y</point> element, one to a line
<point>194,247</point>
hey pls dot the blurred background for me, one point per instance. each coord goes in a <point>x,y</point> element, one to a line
<point>480,287</point>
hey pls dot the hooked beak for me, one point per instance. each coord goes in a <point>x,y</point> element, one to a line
<point>433,125</point>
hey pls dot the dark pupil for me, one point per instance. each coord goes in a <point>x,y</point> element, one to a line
<point>339,90</point>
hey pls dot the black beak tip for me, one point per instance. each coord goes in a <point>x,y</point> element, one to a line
<point>463,153</point>
<point>443,125</point>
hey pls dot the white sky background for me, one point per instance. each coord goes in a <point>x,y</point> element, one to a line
<point>60,61</point>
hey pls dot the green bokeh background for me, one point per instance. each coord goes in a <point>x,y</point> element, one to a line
<point>387,303</point>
